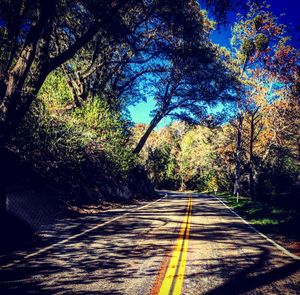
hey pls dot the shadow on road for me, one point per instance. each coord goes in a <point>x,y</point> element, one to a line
<point>106,257</point>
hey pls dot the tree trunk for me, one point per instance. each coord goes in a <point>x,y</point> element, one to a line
<point>251,164</point>
<point>144,138</point>
<point>12,98</point>
<point>182,186</point>
<point>237,185</point>
<point>298,144</point>
<point>78,87</point>
<point>3,197</point>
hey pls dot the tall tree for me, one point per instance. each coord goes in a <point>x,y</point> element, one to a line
<point>193,76</point>
<point>258,38</point>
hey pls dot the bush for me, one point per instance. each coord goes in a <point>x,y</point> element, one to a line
<point>81,151</point>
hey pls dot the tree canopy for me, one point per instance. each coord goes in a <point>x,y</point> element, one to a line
<point>70,70</point>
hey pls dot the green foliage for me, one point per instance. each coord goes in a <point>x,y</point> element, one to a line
<point>258,22</point>
<point>260,213</point>
<point>212,184</point>
<point>261,42</point>
<point>202,158</point>
<point>162,166</point>
<point>50,144</point>
<point>248,47</point>
<point>63,141</point>
<point>185,158</point>
<point>55,93</point>
<point>278,179</point>
<point>104,128</point>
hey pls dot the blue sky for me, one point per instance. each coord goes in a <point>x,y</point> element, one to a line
<point>140,113</point>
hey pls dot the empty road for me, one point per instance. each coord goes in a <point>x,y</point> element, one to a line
<point>180,244</point>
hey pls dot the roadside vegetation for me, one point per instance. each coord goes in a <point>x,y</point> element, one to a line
<point>259,213</point>
<point>279,221</point>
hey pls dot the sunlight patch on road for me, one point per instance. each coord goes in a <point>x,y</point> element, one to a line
<point>81,234</point>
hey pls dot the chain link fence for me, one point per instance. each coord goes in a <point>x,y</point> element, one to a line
<point>37,206</point>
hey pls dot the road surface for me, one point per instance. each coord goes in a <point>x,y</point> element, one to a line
<point>180,244</point>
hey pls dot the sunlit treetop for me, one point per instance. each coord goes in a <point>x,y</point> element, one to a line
<point>261,41</point>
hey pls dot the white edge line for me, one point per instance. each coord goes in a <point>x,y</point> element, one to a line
<point>80,234</point>
<point>279,247</point>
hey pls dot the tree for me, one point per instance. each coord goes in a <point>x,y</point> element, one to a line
<point>193,76</point>
<point>195,160</point>
<point>259,43</point>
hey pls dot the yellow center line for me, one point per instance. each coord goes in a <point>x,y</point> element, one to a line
<point>173,280</point>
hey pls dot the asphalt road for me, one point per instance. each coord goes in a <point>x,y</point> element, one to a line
<point>181,244</point>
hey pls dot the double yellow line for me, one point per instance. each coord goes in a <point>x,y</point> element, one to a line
<point>173,280</point>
